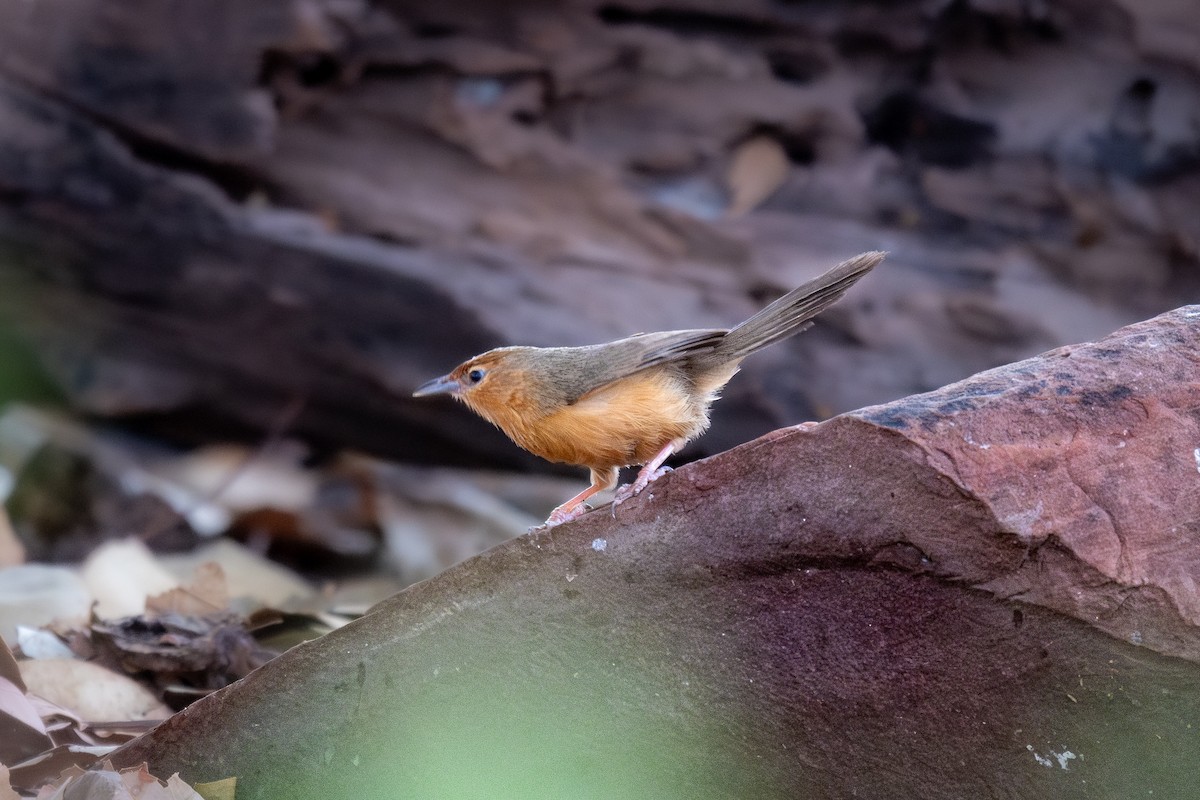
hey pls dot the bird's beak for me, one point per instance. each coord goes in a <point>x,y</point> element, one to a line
<point>442,385</point>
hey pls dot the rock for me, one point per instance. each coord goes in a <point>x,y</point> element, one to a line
<point>342,199</point>
<point>987,590</point>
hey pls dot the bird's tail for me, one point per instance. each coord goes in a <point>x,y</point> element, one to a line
<point>791,313</point>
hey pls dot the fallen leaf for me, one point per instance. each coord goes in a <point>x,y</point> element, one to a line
<point>22,733</point>
<point>73,488</point>
<point>121,575</point>
<point>247,574</point>
<point>282,630</point>
<point>41,643</point>
<point>8,666</point>
<point>104,783</point>
<point>39,594</point>
<point>207,593</point>
<point>203,653</point>
<point>12,552</point>
<point>144,786</point>
<point>759,167</point>
<point>225,789</point>
<point>53,765</point>
<point>90,690</point>
<point>243,479</point>
<point>7,793</point>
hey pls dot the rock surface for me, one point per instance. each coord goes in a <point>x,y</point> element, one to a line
<point>217,213</point>
<point>984,591</point>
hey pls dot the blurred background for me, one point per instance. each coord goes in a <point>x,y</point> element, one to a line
<point>236,234</point>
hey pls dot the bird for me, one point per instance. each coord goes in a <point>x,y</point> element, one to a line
<point>630,402</point>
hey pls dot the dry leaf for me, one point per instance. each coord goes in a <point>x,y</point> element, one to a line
<point>242,479</point>
<point>121,575</point>
<point>8,666</point>
<point>91,691</point>
<point>247,574</point>
<point>207,593</point>
<point>201,652</point>
<point>41,643</point>
<point>12,552</point>
<point>24,734</point>
<point>38,594</point>
<point>759,167</point>
<point>225,789</point>
<point>49,768</point>
<point>144,786</point>
<point>134,783</point>
<point>7,793</point>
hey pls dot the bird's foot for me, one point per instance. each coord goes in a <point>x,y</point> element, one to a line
<point>644,479</point>
<point>566,513</point>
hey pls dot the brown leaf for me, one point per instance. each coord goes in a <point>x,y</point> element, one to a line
<point>225,789</point>
<point>247,574</point>
<point>22,733</point>
<point>6,790</point>
<point>8,666</point>
<point>55,765</point>
<point>90,690</point>
<point>120,576</point>
<point>12,552</point>
<point>207,593</point>
<point>135,783</point>
<point>144,786</point>
<point>202,652</point>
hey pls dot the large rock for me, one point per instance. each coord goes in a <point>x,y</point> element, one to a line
<point>985,591</point>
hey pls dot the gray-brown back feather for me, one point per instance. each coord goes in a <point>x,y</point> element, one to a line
<point>568,373</point>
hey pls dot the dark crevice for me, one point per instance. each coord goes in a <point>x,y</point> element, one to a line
<point>796,66</point>
<point>376,69</point>
<point>1143,89</point>
<point>687,22</point>
<point>310,70</point>
<point>909,125</point>
<point>236,181</point>
<point>392,239</point>
<point>435,30</point>
<point>1130,146</point>
<point>525,117</point>
<point>960,22</point>
<point>852,44</point>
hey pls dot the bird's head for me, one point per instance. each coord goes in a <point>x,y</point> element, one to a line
<point>467,378</point>
<point>491,384</point>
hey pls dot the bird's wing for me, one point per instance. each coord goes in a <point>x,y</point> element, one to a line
<point>580,370</point>
<point>652,349</point>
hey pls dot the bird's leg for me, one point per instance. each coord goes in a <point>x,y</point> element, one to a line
<point>652,471</point>
<point>574,508</point>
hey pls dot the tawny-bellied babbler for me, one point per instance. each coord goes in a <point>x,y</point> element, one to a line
<point>633,401</point>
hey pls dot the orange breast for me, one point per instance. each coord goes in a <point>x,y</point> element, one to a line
<point>621,424</point>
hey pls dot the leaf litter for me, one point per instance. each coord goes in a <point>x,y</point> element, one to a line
<point>169,583</point>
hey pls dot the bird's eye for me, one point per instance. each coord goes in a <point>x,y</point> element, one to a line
<point>475,375</point>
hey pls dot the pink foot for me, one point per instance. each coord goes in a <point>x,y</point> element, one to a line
<point>564,514</point>
<point>633,489</point>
